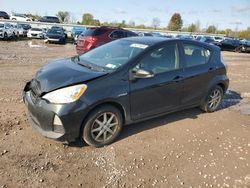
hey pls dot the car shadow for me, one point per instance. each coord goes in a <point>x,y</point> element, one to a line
<point>231,98</point>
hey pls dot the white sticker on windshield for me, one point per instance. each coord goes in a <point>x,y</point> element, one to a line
<point>142,46</point>
<point>111,66</point>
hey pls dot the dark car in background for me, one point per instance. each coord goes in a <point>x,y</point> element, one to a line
<point>229,45</point>
<point>26,28</point>
<point>93,95</point>
<point>55,36</point>
<point>97,36</point>
<point>244,46</point>
<point>49,19</point>
<point>4,15</point>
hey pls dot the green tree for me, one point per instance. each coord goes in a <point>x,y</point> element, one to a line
<point>96,22</point>
<point>63,16</point>
<point>211,29</point>
<point>192,28</point>
<point>175,23</point>
<point>245,33</point>
<point>87,19</point>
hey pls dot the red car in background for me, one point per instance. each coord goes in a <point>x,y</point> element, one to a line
<point>96,36</point>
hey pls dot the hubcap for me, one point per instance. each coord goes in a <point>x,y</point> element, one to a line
<point>214,99</point>
<point>104,127</point>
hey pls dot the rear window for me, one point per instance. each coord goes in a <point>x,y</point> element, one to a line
<point>1,25</point>
<point>196,55</point>
<point>94,32</point>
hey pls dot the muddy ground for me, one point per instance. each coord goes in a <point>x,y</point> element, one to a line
<point>184,149</point>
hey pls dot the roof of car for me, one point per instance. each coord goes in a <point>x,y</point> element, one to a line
<point>148,40</point>
<point>154,40</point>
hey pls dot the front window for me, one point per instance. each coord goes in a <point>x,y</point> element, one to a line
<point>112,55</point>
<point>161,60</point>
<point>55,31</point>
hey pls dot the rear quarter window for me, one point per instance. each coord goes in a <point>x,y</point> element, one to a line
<point>196,55</point>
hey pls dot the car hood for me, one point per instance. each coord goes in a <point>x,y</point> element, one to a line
<point>61,73</point>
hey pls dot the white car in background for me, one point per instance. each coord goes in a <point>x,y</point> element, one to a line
<point>18,29</point>
<point>218,38</point>
<point>35,33</point>
<point>6,30</point>
<point>20,17</point>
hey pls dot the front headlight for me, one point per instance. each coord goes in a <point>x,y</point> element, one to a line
<point>66,95</point>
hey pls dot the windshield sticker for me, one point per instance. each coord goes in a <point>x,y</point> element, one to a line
<point>111,66</point>
<point>142,46</point>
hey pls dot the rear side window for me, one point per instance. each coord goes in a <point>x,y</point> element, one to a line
<point>196,55</point>
<point>117,35</point>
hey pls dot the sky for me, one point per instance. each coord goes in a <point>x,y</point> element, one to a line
<point>233,14</point>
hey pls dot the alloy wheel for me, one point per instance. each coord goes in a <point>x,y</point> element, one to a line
<point>214,99</point>
<point>104,127</point>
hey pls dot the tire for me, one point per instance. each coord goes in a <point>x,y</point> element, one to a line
<point>213,100</point>
<point>5,36</point>
<point>97,127</point>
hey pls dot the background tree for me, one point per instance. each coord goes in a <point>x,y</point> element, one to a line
<point>96,22</point>
<point>245,33</point>
<point>175,23</point>
<point>34,17</point>
<point>192,28</point>
<point>156,22</point>
<point>63,16</point>
<point>87,19</point>
<point>211,29</point>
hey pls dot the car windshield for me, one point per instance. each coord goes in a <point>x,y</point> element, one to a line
<point>1,25</point>
<point>36,29</point>
<point>55,31</point>
<point>112,55</point>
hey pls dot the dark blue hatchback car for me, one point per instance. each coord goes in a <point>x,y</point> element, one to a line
<point>129,80</point>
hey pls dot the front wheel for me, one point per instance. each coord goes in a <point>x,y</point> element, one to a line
<point>213,100</point>
<point>102,126</point>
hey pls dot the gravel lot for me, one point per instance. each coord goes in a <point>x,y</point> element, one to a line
<point>184,149</point>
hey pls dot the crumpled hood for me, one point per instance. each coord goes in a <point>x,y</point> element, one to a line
<point>61,73</point>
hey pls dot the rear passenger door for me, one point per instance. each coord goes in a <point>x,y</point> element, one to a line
<point>197,72</point>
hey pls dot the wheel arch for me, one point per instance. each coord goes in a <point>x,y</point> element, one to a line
<point>108,103</point>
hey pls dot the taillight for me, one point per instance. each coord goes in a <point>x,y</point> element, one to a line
<point>93,39</point>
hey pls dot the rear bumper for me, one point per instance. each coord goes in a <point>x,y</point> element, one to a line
<point>42,115</point>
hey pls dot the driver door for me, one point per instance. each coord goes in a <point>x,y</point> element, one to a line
<point>160,92</point>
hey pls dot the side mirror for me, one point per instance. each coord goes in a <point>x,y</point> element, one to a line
<point>141,73</point>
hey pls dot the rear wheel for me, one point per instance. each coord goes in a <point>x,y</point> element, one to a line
<point>102,126</point>
<point>213,100</point>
